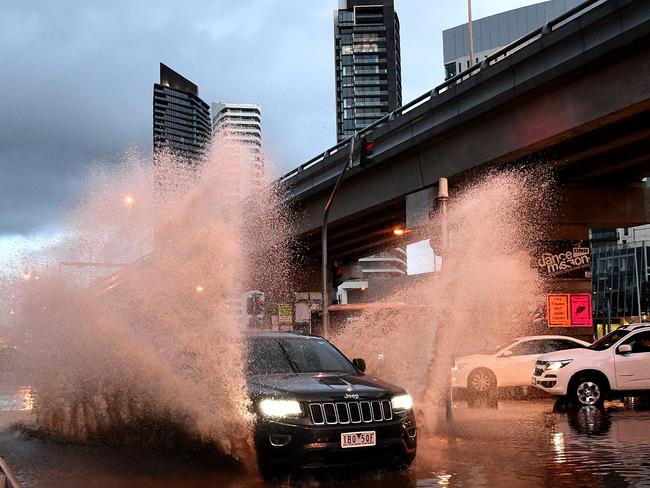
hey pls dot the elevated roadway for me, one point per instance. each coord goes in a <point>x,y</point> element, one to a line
<point>573,96</point>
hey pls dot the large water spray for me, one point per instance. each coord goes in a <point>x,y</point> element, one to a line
<point>133,321</point>
<point>485,293</point>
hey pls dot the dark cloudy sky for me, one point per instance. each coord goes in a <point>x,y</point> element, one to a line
<point>76,82</point>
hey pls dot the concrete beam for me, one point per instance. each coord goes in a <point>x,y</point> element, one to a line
<point>604,207</point>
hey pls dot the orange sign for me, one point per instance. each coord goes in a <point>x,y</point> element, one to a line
<point>581,309</point>
<point>557,309</point>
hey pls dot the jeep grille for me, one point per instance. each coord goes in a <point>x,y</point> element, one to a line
<point>342,413</point>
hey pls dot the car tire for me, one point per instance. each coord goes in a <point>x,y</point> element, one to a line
<point>588,391</point>
<point>481,383</point>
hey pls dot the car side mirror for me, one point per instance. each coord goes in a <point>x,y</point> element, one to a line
<point>360,364</point>
<point>624,349</point>
<point>506,354</point>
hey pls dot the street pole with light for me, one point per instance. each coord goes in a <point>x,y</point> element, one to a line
<point>443,196</point>
<point>326,213</point>
<point>638,287</point>
<point>469,33</point>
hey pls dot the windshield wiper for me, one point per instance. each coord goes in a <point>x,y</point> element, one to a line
<point>292,363</point>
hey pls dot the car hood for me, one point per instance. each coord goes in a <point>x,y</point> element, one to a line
<point>320,386</point>
<point>567,354</point>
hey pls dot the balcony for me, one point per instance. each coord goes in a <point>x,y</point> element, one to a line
<point>370,71</point>
<point>374,49</point>
<point>363,81</point>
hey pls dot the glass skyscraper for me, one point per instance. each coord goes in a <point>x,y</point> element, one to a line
<point>181,120</point>
<point>368,66</point>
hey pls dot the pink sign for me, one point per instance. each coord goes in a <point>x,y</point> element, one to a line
<point>580,304</point>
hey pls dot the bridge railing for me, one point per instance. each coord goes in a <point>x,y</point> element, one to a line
<point>454,80</point>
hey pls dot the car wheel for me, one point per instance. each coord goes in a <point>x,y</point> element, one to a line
<point>588,391</point>
<point>481,382</point>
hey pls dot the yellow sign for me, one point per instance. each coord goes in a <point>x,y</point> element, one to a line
<point>557,310</point>
<point>285,313</point>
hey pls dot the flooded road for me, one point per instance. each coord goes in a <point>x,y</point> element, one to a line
<point>518,443</point>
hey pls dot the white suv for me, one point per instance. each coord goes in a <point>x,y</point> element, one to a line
<point>508,366</point>
<point>619,362</point>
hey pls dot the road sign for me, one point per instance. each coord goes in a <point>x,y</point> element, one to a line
<point>581,309</point>
<point>558,310</point>
<point>285,313</point>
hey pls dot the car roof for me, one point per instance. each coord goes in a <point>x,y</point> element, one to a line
<point>635,326</point>
<point>530,338</point>
<point>272,333</point>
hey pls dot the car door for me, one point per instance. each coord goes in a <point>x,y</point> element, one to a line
<point>516,367</point>
<point>633,369</point>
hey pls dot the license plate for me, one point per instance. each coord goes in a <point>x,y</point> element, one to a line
<point>358,439</point>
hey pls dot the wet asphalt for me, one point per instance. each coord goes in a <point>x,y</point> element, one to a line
<point>510,443</point>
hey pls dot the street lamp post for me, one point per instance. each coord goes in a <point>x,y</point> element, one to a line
<point>469,33</point>
<point>638,287</point>
<point>443,196</point>
<point>326,212</point>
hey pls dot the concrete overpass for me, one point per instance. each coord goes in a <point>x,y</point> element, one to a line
<point>573,95</point>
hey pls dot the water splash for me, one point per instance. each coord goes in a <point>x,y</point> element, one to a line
<point>486,293</point>
<point>111,348</point>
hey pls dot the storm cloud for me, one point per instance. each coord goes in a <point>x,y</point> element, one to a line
<point>76,81</point>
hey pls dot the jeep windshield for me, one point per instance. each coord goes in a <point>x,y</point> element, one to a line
<point>609,340</point>
<point>282,355</point>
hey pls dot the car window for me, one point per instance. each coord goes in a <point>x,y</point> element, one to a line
<point>609,340</point>
<point>563,344</point>
<point>525,348</point>
<point>640,342</point>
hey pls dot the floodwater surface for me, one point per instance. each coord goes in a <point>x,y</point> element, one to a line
<point>518,443</point>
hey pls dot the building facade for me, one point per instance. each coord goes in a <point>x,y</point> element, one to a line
<point>620,275</point>
<point>621,284</point>
<point>496,31</point>
<point>237,129</point>
<point>367,61</point>
<point>181,120</point>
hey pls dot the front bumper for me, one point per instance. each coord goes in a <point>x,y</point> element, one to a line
<point>284,446</point>
<point>550,382</point>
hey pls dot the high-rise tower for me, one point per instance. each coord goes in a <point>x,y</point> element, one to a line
<point>368,66</point>
<point>237,129</point>
<point>181,120</point>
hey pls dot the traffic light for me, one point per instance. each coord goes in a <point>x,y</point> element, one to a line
<point>365,152</point>
<point>258,304</point>
<point>255,304</point>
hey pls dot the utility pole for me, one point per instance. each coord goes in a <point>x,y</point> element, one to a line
<point>469,32</point>
<point>638,287</point>
<point>326,212</point>
<point>443,196</point>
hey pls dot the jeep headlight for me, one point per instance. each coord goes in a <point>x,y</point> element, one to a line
<point>402,402</point>
<point>555,365</point>
<point>458,366</point>
<point>280,408</point>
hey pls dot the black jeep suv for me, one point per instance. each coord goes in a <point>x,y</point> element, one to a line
<point>314,408</point>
